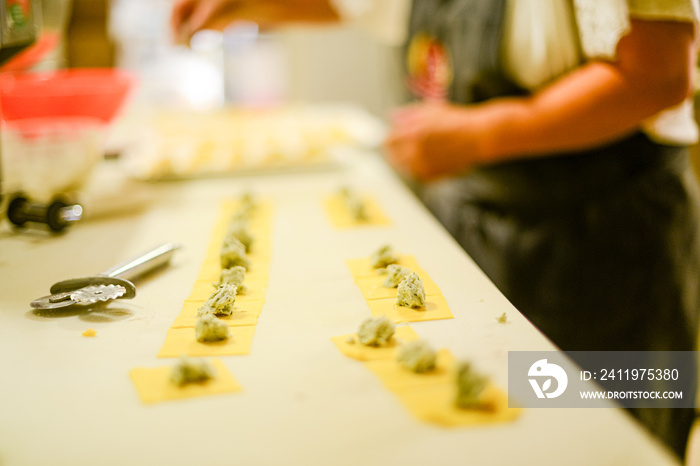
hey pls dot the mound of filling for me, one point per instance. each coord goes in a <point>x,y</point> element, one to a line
<point>233,253</point>
<point>233,276</point>
<point>394,275</point>
<point>189,371</point>
<point>211,328</point>
<point>411,292</point>
<point>220,302</point>
<point>376,331</point>
<point>248,204</point>
<point>470,385</point>
<point>355,205</point>
<point>383,257</point>
<point>417,356</point>
<point>240,230</point>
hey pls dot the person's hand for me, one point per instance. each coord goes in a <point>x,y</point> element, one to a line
<point>190,16</point>
<point>433,140</point>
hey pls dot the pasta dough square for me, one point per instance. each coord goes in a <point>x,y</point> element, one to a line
<point>362,267</point>
<point>153,384</point>
<point>372,287</point>
<point>181,341</point>
<point>370,353</point>
<point>435,404</point>
<point>341,218</point>
<point>394,376</point>
<point>436,308</point>
<point>188,316</point>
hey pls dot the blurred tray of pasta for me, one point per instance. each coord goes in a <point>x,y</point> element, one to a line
<point>175,144</point>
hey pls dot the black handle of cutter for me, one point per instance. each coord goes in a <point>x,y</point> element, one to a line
<point>57,215</point>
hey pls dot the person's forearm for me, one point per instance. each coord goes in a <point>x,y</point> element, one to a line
<point>597,103</point>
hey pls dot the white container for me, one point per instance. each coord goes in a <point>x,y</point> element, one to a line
<point>47,157</point>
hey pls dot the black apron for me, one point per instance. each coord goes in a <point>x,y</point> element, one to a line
<point>598,248</point>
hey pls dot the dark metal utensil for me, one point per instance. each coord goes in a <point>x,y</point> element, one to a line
<point>111,284</point>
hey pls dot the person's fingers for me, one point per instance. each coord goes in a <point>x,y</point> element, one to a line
<point>405,117</point>
<point>400,152</point>
<point>408,156</point>
<point>206,13</point>
<point>179,15</point>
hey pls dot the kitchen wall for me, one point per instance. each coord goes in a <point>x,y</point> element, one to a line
<point>343,64</point>
<point>324,64</point>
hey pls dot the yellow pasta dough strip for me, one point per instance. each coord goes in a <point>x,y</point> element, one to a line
<point>373,288</point>
<point>260,226</point>
<point>435,404</point>
<point>436,308</point>
<point>361,352</point>
<point>180,338</point>
<point>362,267</point>
<point>181,341</point>
<point>188,316</point>
<point>153,384</point>
<point>341,218</point>
<point>394,376</point>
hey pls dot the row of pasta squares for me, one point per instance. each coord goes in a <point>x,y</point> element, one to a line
<point>219,316</point>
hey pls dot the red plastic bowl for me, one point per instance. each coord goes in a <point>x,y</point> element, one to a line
<point>77,92</point>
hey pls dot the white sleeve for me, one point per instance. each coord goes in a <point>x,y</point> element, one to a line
<point>539,41</point>
<point>385,19</point>
<point>602,23</point>
<point>678,10</point>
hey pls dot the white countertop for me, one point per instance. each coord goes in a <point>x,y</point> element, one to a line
<point>68,400</point>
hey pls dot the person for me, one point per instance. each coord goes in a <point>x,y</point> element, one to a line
<point>550,138</point>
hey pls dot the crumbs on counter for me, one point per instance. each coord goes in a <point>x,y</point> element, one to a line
<point>91,332</point>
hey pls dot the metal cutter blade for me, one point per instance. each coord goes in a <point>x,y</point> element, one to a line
<point>111,284</point>
<point>93,294</point>
<point>87,290</point>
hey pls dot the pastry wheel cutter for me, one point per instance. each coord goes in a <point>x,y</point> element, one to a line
<point>111,284</point>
